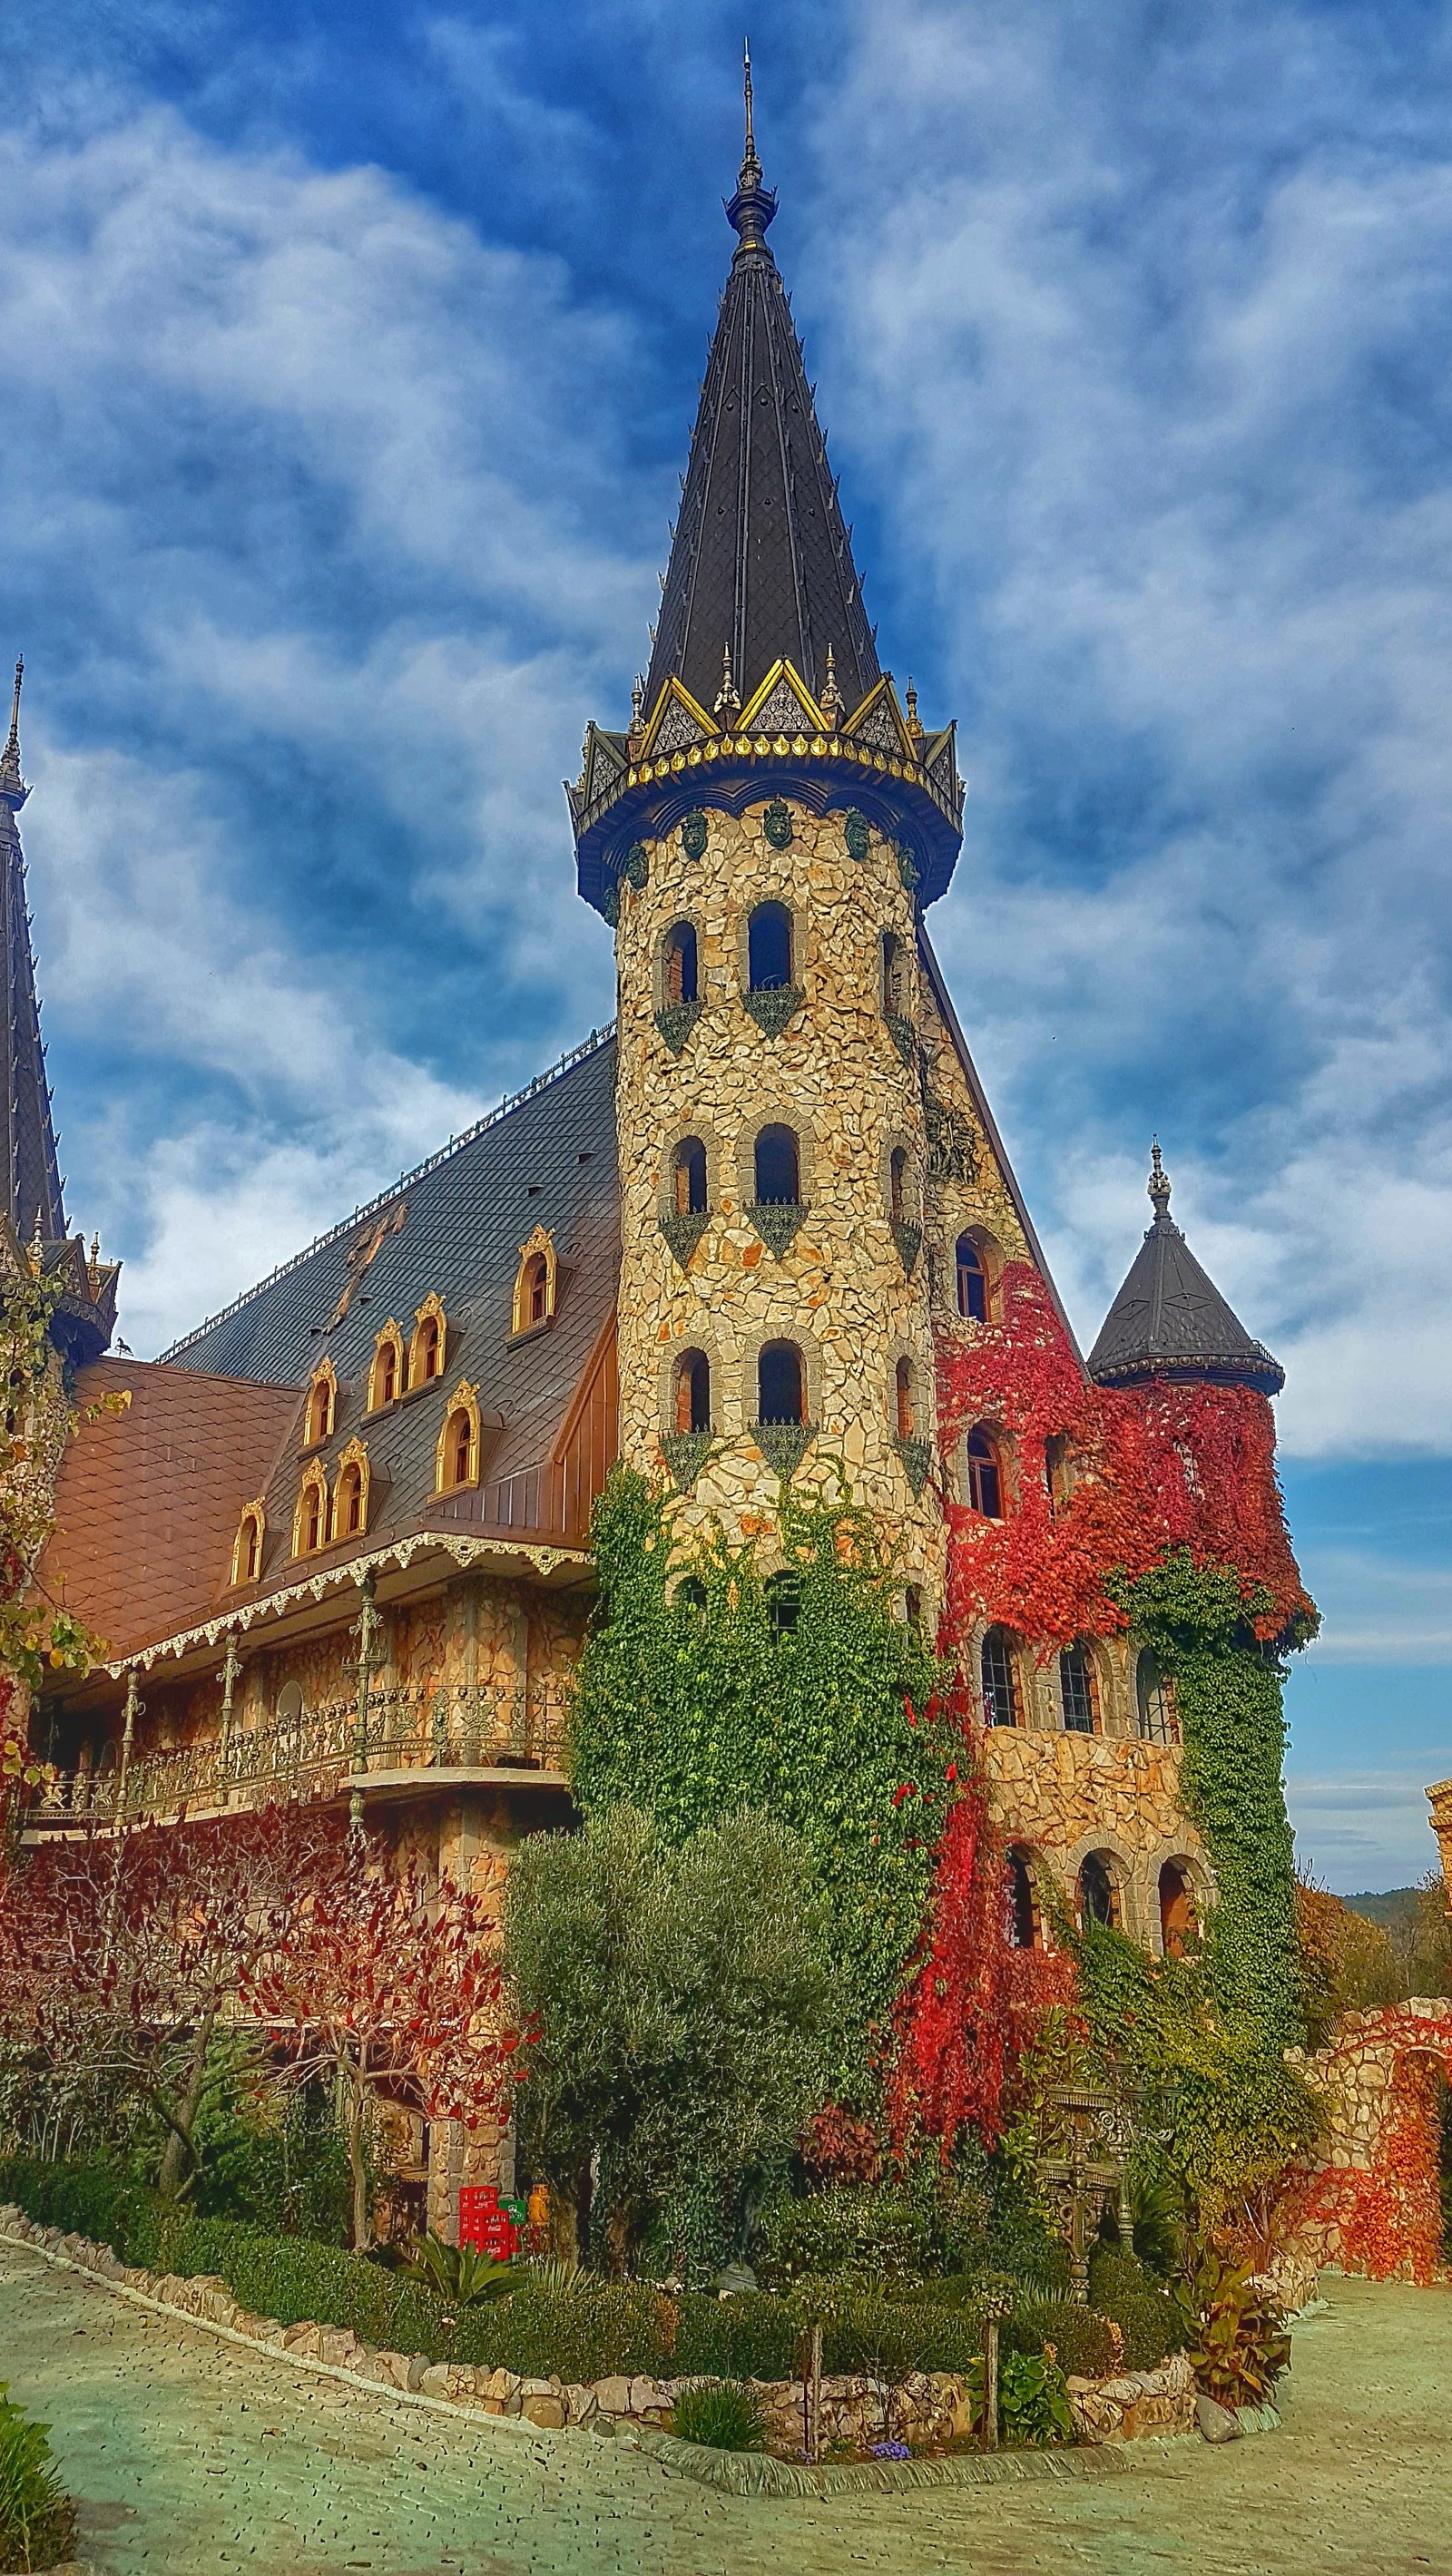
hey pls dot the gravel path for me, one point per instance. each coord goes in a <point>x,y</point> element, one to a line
<point>192,2457</point>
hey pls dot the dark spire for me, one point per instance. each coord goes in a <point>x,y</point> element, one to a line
<point>32,1201</point>
<point>761,565</point>
<point>1170,1320</point>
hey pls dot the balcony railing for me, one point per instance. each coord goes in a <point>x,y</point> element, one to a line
<point>316,1754</point>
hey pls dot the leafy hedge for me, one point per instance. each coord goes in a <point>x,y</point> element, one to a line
<point>1083,2345</point>
<point>1149,2319</point>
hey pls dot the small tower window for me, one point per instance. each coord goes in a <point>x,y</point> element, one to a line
<point>322,1399</point>
<point>1079,1691</point>
<point>784,1599</point>
<point>461,1448</point>
<point>1178,1927</point>
<point>982,1479</point>
<point>778,1168</point>
<point>247,1553</point>
<point>385,1378</point>
<point>1021,1918</point>
<point>972,1281</point>
<point>998,1672</point>
<point>904,1389</point>
<point>781,1384</point>
<point>897,1181</point>
<point>536,1283</point>
<point>538,1289</point>
<point>426,1350</point>
<point>895,988</point>
<point>1154,1706</point>
<point>1098,1894</point>
<point>456,1460</point>
<point>680,978</point>
<point>1058,1472</point>
<point>690,1177</point>
<point>310,1521</point>
<point>693,1392</point>
<point>769,947</point>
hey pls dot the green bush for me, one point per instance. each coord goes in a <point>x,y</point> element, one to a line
<point>723,2415</point>
<point>752,2336</point>
<point>857,2228</point>
<point>37,2518</point>
<point>600,2331</point>
<point>1082,2343</point>
<point>1033,2401</point>
<point>1150,2320</point>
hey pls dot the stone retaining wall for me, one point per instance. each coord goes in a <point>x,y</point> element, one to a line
<point>929,2407</point>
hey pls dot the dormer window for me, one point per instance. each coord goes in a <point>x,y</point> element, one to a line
<point>322,1405</point>
<point>350,1495</point>
<point>426,1350</point>
<point>310,1520</point>
<point>385,1378</point>
<point>456,1460</point>
<point>247,1546</point>
<point>535,1283</point>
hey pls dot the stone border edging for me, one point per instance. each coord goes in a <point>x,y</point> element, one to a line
<point>749,2474</point>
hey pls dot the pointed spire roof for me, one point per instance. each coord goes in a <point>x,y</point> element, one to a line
<point>32,1200</point>
<point>1170,1320</point>
<point>761,562</point>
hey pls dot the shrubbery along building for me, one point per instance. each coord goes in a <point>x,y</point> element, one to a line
<point>761,1245</point>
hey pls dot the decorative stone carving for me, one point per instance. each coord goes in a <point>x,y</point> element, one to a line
<point>907,867</point>
<point>917,1459</point>
<point>777,1221</point>
<point>694,834</point>
<point>903,1035</point>
<point>784,1444</point>
<point>772,1009</point>
<point>684,1232</point>
<point>952,1145</point>
<point>909,1241</point>
<point>685,1453</point>
<point>636,865</point>
<point>776,823</point>
<point>856,832</point>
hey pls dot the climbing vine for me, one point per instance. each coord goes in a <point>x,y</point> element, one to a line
<point>709,1683</point>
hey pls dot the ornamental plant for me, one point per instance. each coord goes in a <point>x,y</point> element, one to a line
<point>37,2518</point>
<point>721,2414</point>
<point>1238,2341</point>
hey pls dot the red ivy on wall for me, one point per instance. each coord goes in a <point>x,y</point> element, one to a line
<point>1156,1468</point>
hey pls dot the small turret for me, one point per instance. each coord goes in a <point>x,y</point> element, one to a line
<point>1170,1320</point>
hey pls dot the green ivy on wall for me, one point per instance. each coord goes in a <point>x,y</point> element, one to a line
<point>708,1684</point>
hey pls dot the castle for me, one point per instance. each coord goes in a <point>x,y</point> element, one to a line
<point>763,1229</point>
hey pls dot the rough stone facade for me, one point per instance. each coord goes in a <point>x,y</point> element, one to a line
<point>837,1079</point>
<point>1371,2201</point>
<point>1060,1797</point>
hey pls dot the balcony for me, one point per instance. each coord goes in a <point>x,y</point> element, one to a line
<point>409,1743</point>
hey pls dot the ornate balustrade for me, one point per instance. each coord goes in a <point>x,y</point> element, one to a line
<point>317,1754</point>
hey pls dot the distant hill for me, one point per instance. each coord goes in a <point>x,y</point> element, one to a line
<point>1395,1909</point>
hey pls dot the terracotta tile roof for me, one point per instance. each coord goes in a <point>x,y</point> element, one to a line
<point>148,1500</point>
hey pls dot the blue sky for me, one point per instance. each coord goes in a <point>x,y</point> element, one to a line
<point>350,356</point>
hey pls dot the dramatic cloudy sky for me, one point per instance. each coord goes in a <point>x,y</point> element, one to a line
<point>349,356</point>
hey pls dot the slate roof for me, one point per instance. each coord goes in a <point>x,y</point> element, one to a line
<point>1170,1320</point>
<point>452,1229</point>
<point>761,559</point>
<point>148,1500</point>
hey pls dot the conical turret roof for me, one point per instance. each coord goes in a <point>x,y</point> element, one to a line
<point>1170,1320</point>
<point>761,562</point>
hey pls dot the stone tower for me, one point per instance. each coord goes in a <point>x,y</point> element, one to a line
<point>763,838</point>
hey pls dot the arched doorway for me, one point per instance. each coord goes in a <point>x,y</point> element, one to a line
<point>1178,1925</point>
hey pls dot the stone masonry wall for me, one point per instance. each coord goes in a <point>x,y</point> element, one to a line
<point>836,1077</point>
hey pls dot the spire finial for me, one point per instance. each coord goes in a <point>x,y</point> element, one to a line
<point>12,786</point>
<point>1159,1187</point>
<point>831,699</point>
<point>728,696</point>
<point>752,207</point>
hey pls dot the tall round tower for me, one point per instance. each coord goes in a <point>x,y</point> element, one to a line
<point>763,838</point>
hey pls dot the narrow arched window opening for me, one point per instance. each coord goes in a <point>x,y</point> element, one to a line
<point>769,947</point>
<point>313,1519</point>
<point>252,1560</point>
<point>1058,1473</point>
<point>894,978</point>
<point>982,1477</point>
<point>784,1600</point>
<point>680,965</point>
<point>998,1672</point>
<point>905,1414</point>
<point>1098,1894</point>
<point>972,1281</point>
<point>778,1168</point>
<point>897,1181</point>
<point>427,1356</point>
<point>537,1289</point>
<point>1178,1926</point>
<point>1154,1706</point>
<point>781,1390</point>
<point>388,1373</point>
<point>693,1392</point>
<point>1022,1921</point>
<point>1079,1691</point>
<point>320,1410</point>
<point>350,1503</point>
<point>459,1462</point>
<point>690,1177</point>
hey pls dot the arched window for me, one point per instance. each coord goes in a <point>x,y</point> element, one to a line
<point>385,1378</point>
<point>769,947</point>
<point>784,1599</point>
<point>1079,1691</point>
<point>535,1283</point>
<point>690,1593</point>
<point>778,1168</point>
<point>905,1414</point>
<point>322,1399</point>
<point>1098,1894</point>
<point>689,1177</point>
<point>982,1477</point>
<point>998,1672</point>
<point>897,1184</point>
<point>426,1350</point>
<point>348,1510</point>
<point>1178,1926</point>
<point>1154,1702</point>
<point>972,1281</point>
<point>310,1520</point>
<point>781,1384</point>
<point>693,1392</point>
<point>456,1460</point>
<point>894,977</point>
<point>680,976</point>
<point>247,1551</point>
<point>1058,1472</point>
<point>1021,1922</point>
<point>912,1602</point>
